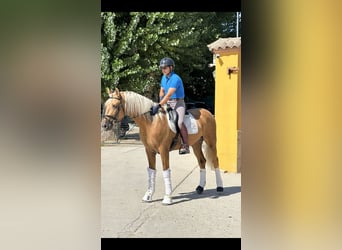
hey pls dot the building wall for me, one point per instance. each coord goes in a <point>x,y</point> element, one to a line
<point>228,109</point>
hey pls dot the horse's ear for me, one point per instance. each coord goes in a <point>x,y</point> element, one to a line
<point>117,91</point>
<point>108,91</point>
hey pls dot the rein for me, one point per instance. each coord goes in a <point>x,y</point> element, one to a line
<point>141,114</point>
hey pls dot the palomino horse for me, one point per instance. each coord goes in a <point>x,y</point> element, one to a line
<point>157,137</point>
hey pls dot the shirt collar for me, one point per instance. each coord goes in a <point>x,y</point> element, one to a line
<point>168,77</point>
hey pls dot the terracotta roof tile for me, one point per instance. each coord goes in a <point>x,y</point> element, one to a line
<point>224,43</point>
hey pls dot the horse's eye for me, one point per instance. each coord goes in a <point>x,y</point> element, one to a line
<point>115,106</point>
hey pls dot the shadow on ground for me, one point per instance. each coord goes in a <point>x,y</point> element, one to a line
<point>207,193</point>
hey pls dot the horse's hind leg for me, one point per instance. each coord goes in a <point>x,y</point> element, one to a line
<point>197,148</point>
<point>212,159</point>
<point>219,185</point>
<point>151,171</point>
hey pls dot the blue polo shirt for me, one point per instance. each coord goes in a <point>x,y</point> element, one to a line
<point>174,81</point>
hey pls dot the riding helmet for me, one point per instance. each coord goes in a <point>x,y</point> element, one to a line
<point>166,61</point>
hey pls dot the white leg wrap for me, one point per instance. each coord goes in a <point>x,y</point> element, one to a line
<point>167,200</point>
<point>151,179</point>
<point>167,181</point>
<point>202,177</point>
<point>151,185</point>
<point>218,177</point>
<point>168,187</point>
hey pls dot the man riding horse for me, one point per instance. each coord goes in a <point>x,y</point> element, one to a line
<point>172,93</point>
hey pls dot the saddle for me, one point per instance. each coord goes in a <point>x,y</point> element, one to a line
<point>173,118</point>
<point>173,124</point>
<point>189,122</point>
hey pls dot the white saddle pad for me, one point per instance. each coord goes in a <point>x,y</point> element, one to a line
<point>189,122</point>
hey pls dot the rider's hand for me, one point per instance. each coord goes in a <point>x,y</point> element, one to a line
<point>154,109</point>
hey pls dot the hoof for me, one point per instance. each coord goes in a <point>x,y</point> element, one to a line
<point>219,189</point>
<point>167,200</point>
<point>199,189</point>
<point>147,197</point>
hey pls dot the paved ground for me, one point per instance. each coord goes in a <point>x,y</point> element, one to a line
<point>124,182</point>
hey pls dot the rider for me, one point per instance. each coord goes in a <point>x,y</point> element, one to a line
<point>172,93</point>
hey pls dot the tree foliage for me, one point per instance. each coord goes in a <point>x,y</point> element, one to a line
<point>133,43</point>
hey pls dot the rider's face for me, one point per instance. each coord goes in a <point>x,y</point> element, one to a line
<point>166,70</point>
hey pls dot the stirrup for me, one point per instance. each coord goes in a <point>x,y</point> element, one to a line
<point>184,149</point>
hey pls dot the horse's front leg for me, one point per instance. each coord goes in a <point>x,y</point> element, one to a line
<point>197,148</point>
<point>164,154</point>
<point>151,171</point>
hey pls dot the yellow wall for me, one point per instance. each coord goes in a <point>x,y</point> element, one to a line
<point>227,109</point>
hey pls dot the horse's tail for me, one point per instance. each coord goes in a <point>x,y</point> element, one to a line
<point>209,155</point>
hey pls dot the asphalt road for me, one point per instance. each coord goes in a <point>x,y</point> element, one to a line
<point>124,182</point>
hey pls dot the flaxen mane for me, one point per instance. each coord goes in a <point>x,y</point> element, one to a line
<point>136,104</point>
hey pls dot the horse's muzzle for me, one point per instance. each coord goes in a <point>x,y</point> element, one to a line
<point>107,125</point>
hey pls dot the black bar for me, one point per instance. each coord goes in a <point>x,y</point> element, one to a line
<point>111,243</point>
<point>167,6</point>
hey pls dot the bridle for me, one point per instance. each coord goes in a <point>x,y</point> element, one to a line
<point>118,107</point>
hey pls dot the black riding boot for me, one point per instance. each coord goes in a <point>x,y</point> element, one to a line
<point>184,149</point>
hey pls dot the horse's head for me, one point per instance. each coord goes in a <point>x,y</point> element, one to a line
<point>112,110</point>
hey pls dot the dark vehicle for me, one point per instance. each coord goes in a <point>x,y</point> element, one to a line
<point>124,126</point>
<point>192,105</point>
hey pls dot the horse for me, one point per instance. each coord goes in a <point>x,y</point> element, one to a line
<point>158,137</point>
